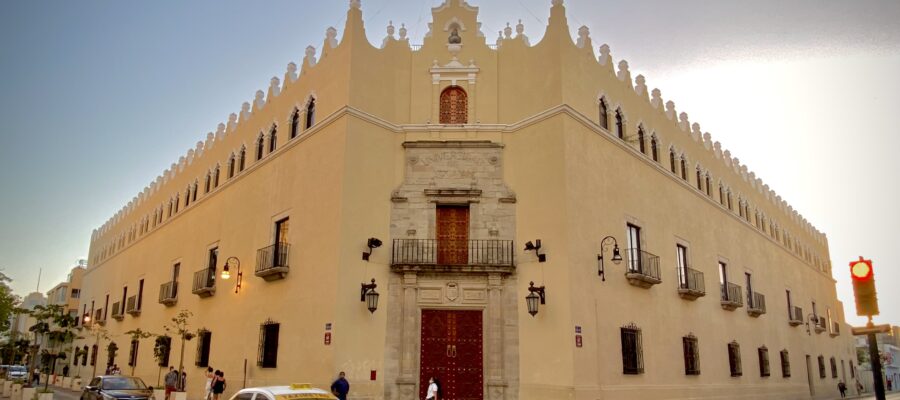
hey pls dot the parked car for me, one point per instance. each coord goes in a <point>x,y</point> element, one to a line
<point>14,372</point>
<point>108,387</point>
<point>296,391</point>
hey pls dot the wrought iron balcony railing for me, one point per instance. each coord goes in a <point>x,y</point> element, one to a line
<point>690,283</point>
<point>272,261</point>
<point>168,293</point>
<point>642,269</point>
<point>118,312</point>
<point>796,317</point>
<point>433,252</point>
<point>132,307</point>
<point>731,296</point>
<point>204,282</point>
<point>756,304</point>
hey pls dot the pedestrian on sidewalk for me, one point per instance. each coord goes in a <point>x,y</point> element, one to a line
<point>207,388</point>
<point>340,387</point>
<point>218,386</point>
<point>171,381</point>
<point>843,388</point>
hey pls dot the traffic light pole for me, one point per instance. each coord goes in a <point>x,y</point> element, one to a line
<point>876,367</point>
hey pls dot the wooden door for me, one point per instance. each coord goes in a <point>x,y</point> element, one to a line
<point>452,235</point>
<point>452,352</point>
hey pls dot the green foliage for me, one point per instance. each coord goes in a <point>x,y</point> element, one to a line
<point>8,302</point>
<point>161,350</point>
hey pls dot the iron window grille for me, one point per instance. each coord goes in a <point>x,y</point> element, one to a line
<point>691,355</point>
<point>94,351</point>
<point>822,367</point>
<point>833,368</point>
<point>734,358</point>
<point>785,364</point>
<point>204,339</point>
<point>268,344</point>
<point>84,357</point>
<point>604,114</point>
<point>763,353</point>
<point>132,353</point>
<point>632,350</point>
<point>164,346</point>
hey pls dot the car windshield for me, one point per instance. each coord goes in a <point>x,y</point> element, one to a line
<point>123,383</point>
<point>17,369</point>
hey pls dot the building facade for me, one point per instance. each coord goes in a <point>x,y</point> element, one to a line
<point>471,175</point>
<point>68,293</point>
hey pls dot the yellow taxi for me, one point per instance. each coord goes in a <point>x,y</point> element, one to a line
<point>297,391</point>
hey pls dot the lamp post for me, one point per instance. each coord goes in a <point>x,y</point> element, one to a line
<point>616,257</point>
<point>368,294</point>
<point>534,294</point>
<point>226,272</point>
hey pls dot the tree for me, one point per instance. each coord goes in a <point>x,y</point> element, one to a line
<point>161,350</point>
<point>136,335</point>
<point>8,303</point>
<point>58,328</point>
<point>180,328</point>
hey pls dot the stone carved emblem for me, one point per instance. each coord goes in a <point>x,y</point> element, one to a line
<point>452,291</point>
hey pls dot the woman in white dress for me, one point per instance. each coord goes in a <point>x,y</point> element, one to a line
<point>432,393</point>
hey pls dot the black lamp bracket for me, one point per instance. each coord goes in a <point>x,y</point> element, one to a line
<point>365,288</point>
<point>600,269</point>
<point>539,290</point>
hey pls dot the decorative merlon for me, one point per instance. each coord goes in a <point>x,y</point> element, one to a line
<point>291,74</point>
<point>354,4</point>
<point>604,58</point>
<point>656,98</point>
<point>259,101</point>
<point>623,74</point>
<point>232,123</point>
<point>245,112</point>
<point>331,37</point>
<point>683,122</point>
<point>520,33</point>
<point>310,58</point>
<point>584,37</point>
<point>640,86</point>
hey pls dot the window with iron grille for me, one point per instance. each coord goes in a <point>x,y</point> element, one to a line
<point>84,357</point>
<point>273,138</point>
<point>162,350</point>
<point>763,361</point>
<point>632,350</point>
<point>268,344</point>
<point>204,339</point>
<point>833,368</point>
<point>604,114</point>
<point>734,358</point>
<point>691,355</point>
<point>295,122</point>
<point>620,124</point>
<point>785,364</point>
<point>94,355</point>
<point>132,353</point>
<point>641,145</point>
<point>822,367</point>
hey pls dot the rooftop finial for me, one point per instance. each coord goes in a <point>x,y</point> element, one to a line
<point>655,98</point>
<point>584,37</point>
<point>623,73</point>
<point>232,123</point>
<point>507,32</point>
<point>259,100</point>
<point>604,54</point>
<point>245,111</point>
<point>499,38</point>
<point>390,34</point>
<point>402,31</point>
<point>274,87</point>
<point>291,74</point>
<point>670,109</point>
<point>310,55</point>
<point>683,122</point>
<point>355,4</point>
<point>331,37</point>
<point>640,86</point>
<point>556,2</point>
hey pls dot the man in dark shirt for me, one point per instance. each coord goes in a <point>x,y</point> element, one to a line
<point>340,387</point>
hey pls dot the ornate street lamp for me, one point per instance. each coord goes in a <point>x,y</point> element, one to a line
<point>368,295</point>
<point>226,272</point>
<point>535,294</point>
<point>616,257</point>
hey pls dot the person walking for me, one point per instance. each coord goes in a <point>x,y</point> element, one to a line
<point>433,392</point>
<point>843,388</point>
<point>182,384</point>
<point>340,387</point>
<point>218,386</point>
<point>207,389</point>
<point>171,381</point>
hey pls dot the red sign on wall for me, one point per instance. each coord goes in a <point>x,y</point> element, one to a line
<point>577,340</point>
<point>327,338</point>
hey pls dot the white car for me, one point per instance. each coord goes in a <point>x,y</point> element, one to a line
<point>297,391</point>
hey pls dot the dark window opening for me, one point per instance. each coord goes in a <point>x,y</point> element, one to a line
<point>604,114</point>
<point>763,361</point>
<point>268,344</point>
<point>632,350</point>
<point>310,113</point>
<point>785,364</point>
<point>734,359</point>
<point>620,125</point>
<point>691,355</point>
<point>295,122</point>
<point>204,339</point>
<point>273,139</point>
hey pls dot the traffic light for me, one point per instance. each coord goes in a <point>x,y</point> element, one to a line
<point>864,287</point>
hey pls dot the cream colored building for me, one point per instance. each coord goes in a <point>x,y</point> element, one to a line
<point>455,154</point>
<point>68,293</point>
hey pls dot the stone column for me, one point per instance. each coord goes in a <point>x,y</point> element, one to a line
<point>496,385</point>
<point>406,383</point>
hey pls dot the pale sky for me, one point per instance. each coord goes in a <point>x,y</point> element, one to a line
<point>99,97</point>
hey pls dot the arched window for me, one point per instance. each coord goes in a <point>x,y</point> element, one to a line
<point>454,106</point>
<point>730,207</point>
<point>604,114</point>
<point>194,192</point>
<point>740,207</point>
<point>620,124</point>
<point>273,138</point>
<point>176,203</point>
<point>208,182</point>
<point>699,179</point>
<point>641,144</point>
<point>311,113</point>
<point>721,194</point>
<point>231,166</point>
<point>684,168</point>
<point>654,148</point>
<point>259,146</point>
<point>672,160</point>
<point>295,122</point>
<point>708,185</point>
<point>243,157</point>
<point>187,196</point>
<point>216,177</point>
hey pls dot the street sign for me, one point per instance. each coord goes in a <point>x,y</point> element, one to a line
<point>865,330</point>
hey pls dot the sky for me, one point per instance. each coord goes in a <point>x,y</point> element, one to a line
<point>97,98</point>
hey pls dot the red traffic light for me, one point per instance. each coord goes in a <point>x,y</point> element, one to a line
<point>861,270</point>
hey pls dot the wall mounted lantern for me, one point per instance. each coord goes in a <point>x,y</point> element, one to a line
<point>368,294</point>
<point>616,256</point>
<point>372,243</point>
<point>534,294</point>
<point>226,272</point>
<point>536,246</point>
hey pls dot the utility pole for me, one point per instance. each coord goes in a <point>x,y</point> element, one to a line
<point>876,364</point>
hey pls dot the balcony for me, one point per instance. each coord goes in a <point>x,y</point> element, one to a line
<point>642,269</point>
<point>796,317</point>
<point>204,282</point>
<point>690,283</point>
<point>731,296</point>
<point>118,312</point>
<point>168,293</point>
<point>272,261</point>
<point>820,324</point>
<point>132,307</point>
<point>757,304</point>
<point>835,329</point>
<point>453,256</point>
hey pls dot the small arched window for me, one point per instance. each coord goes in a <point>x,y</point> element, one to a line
<point>194,191</point>
<point>684,168</point>
<point>699,179</point>
<point>641,144</point>
<point>672,161</point>
<point>708,185</point>
<point>620,124</point>
<point>721,194</point>
<point>208,182</point>
<point>740,207</point>
<point>259,146</point>
<point>273,138</point>
<point>295,122</point>
<point>311,113</point>
<point>730,207</point>
<point>177,201</point>
<point>231,162</point>
<point>454,106</point>
<point>187,196</point>
<point>242,158</point>
<point>604,114</point>
<point>654,148</point>
<point>216,177</point>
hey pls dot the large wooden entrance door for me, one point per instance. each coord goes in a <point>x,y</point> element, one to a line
<point>452,352</point>
<point>452,234</point>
